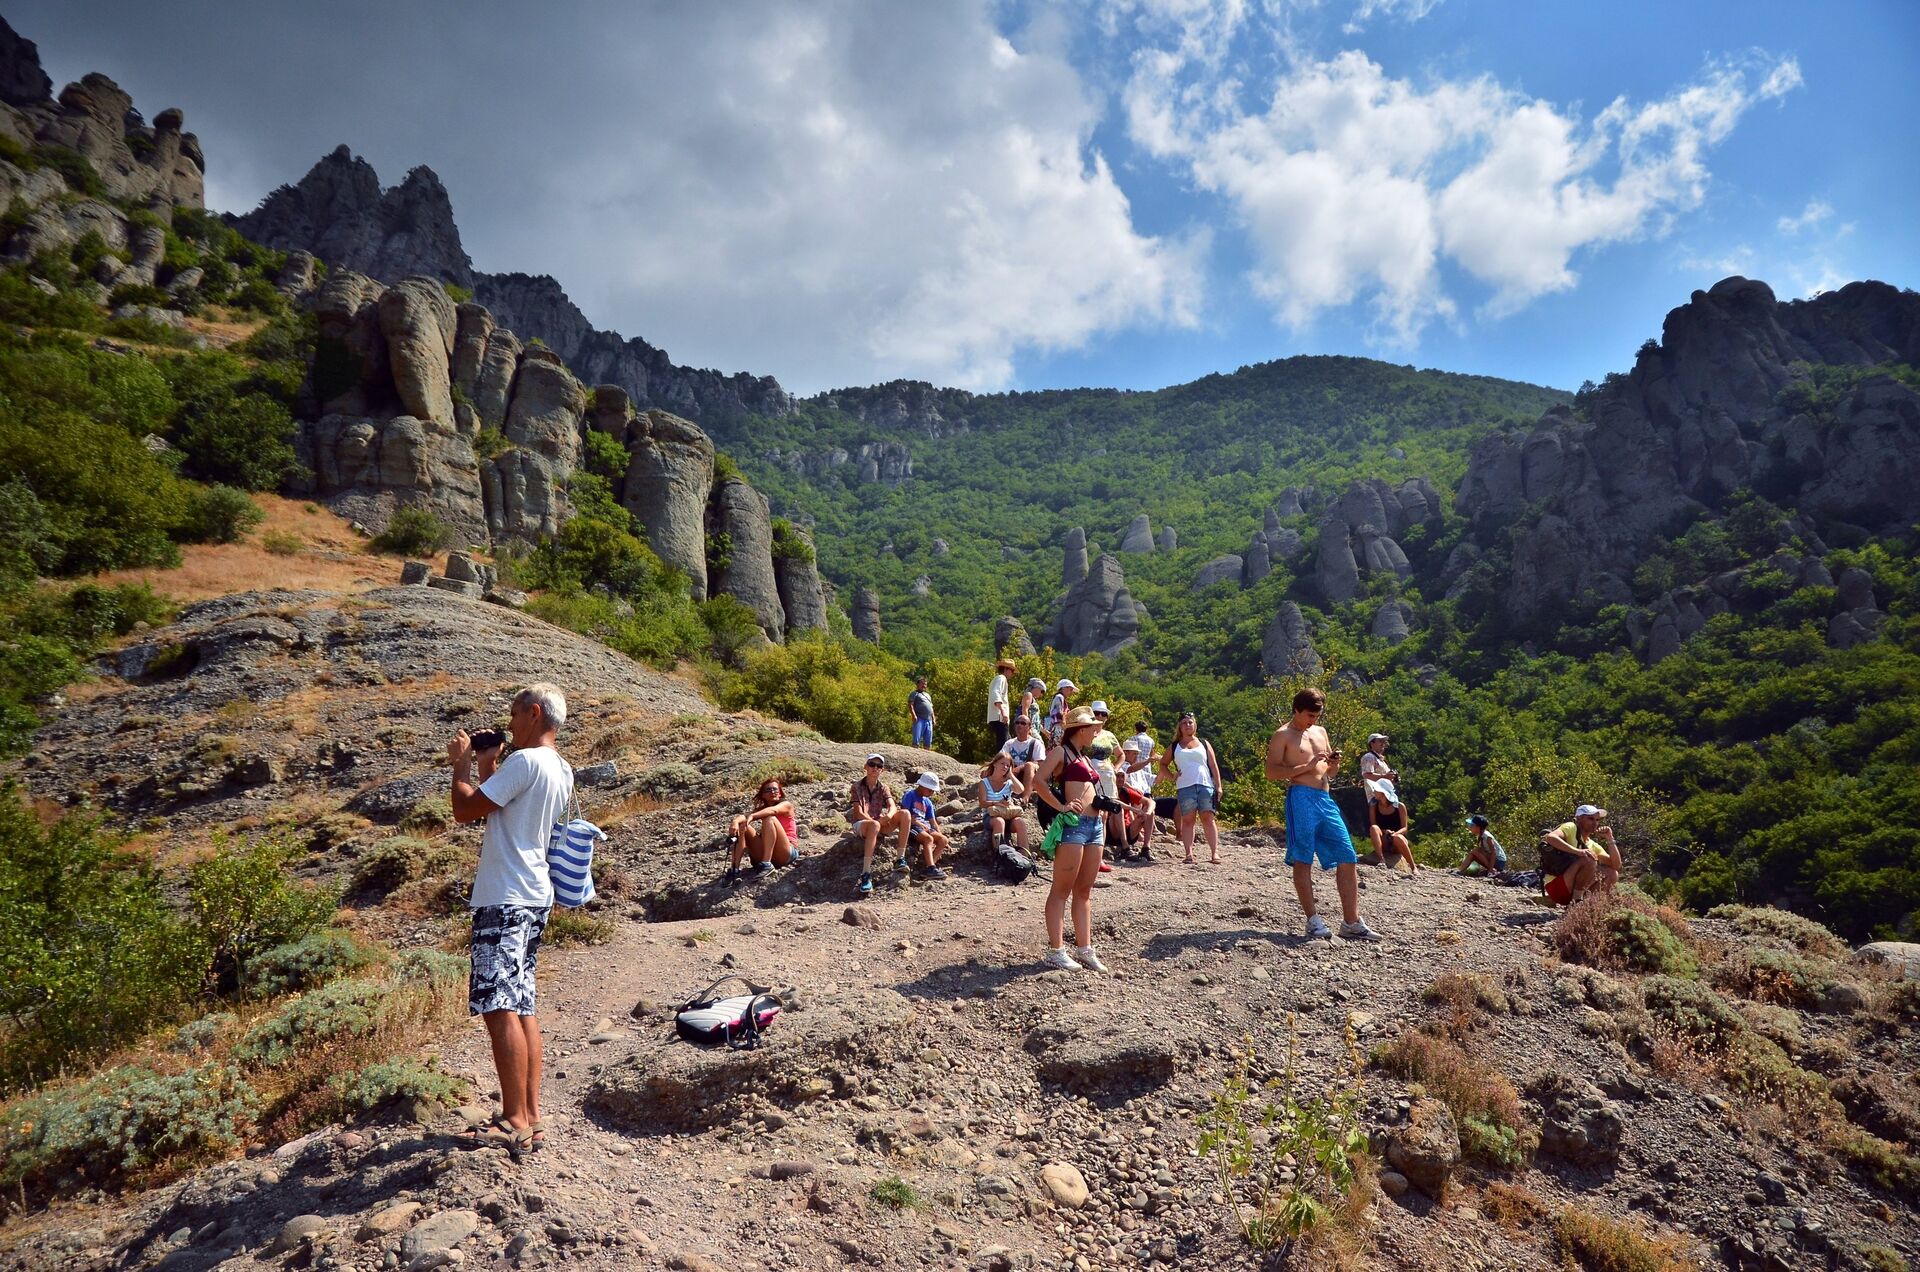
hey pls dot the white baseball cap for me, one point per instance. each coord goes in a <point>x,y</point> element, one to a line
<point>1377,737</point>
<point>877,758</point>
<point>928,782</point>
<point>1589,810</point>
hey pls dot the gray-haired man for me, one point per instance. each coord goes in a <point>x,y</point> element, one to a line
<point>521,797</point>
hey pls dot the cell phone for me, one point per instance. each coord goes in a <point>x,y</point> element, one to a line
<point>488,739</point>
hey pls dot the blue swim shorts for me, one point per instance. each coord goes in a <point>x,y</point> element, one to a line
<point>1314,829</point>
<point>923,733</point>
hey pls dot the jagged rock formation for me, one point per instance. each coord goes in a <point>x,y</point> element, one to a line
<point>1138,536</point>
<point>1098,615</point>
<point>1702,415</point>
<point>1219,570</point>
<point>1010,637</point>
<point>1073,557</point>
<point>866,615</point>
<point>339,213</point>
<point>536,305</point>
<point>905,405</point>
<point>1287,649</point>
<point>669,480</point>
<point>1168,539</point>
<point>157,164</point>
<point>888,463</point>
<point>22,82</point>
<point>1357,533</point>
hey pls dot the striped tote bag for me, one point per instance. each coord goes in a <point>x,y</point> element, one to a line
<point>570,858</point>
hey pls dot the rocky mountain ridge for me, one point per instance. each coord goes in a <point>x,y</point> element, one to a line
<point>339,213</point>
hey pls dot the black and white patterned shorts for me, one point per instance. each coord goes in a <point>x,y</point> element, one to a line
<point>506,944</point>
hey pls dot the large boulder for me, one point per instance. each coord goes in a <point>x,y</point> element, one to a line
<point>1073,557</point>
<point>1393,622</point>
<point>1168,539</point>
<point>669,477</point>
<point>1287,649</point>
<point>544,415</point>
<point>1259,562</point>
<point>523,492</point>
<point>1426,1147</point>
<point>1098,614</point>
<point>492,390</point>
<point>366,469</point>
<point>746,573</point>
<point>1010,637</point>
<point>473,325</point>
<point>1139,536</point>
<point>1226,569</point>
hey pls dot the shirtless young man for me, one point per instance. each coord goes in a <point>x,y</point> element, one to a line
<point>1301,755</point>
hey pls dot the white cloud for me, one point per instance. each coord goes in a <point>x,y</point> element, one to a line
<point>1810,217</point>
<point>1405,10</point>
<point>1354,185</point>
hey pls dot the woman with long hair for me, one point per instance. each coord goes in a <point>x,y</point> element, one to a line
<point>1076,863</point>
<point>1000,794</point>
<point>765,833</point>
<point>1196,773</point>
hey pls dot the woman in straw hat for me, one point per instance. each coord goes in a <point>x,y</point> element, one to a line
<point>1079,832</point>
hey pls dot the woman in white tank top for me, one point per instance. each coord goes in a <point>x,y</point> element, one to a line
<point>1196,773</point>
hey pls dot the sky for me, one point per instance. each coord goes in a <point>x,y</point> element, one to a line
<point>998,194</point>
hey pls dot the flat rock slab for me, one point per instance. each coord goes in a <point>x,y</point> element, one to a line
<point>442,1231</point>
<point>1092,1051</point>
<point>671,1085</point>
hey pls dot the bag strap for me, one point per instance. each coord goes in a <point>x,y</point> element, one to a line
<point>707,996</point>
<point>748,1036</point>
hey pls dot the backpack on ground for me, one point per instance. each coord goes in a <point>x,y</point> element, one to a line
<point>737,1021</point>
<point>1013,865</point>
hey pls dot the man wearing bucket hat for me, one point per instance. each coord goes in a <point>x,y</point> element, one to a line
<point>998,717</point>
<point>1578,856</point>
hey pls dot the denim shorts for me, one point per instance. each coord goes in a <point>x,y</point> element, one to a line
<point>506,944</point>
<point>1197,798</point>
<point>1089,830</point>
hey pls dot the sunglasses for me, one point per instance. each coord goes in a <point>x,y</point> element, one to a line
<point>872,765</point>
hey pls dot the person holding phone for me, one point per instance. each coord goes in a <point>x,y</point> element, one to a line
<point>1301,755</point>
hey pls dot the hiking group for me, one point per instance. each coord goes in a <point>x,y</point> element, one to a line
<point>1088,792</point>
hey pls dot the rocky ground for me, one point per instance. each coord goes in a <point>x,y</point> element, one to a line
<point>1014,1117</point>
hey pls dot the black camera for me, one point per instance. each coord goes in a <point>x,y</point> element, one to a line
<point>488,739</point>
<point>1105,805</point>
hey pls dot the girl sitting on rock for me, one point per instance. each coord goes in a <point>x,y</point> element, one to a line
<point>765,834</point>
<point>1000,793</point>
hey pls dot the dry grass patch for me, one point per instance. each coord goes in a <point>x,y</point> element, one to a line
<point>625,808</point>
<point>1485,1106</point>
<point>1514,1207</point>
<point>1624,931</point>
<point>1599,1244</point>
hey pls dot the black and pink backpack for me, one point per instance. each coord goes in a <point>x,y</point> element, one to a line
<point>736,1021</point>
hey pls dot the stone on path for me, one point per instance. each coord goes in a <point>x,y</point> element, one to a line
<point>1066,1184</point>
<point>438,1232</point>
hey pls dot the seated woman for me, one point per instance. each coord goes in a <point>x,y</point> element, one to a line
<point>765,834</point>
<point>1000,794</point>
<point>1387,826</point>
<point>1486,857</point>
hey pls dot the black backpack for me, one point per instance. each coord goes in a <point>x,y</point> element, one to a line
<point>737,1021</point>
<point>1014,866</point>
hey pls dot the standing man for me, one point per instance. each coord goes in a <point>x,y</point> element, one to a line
<point>998,716</point>
<point>1030,701</point>
<point>1300,755</point>
<point>920,708</point>
<point>1057,709</point>
<point>521,798</point>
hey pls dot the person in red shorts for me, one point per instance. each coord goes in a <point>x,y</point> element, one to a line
<point>1579,855</point>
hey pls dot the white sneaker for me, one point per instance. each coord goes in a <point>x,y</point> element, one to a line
<point>1317,928</point>
<point>1088,959</point>
<point>1060,960</point>
<point>1358,931</point>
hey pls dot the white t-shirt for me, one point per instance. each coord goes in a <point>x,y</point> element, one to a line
<point>1032,750</point>
<point>997,700</point>
<point>1372,767</point>
<point>531,787</point>
<point>1107,769</point>
<point>1141,780</point>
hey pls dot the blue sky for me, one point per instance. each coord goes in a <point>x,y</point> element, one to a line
<point>1125,192</point>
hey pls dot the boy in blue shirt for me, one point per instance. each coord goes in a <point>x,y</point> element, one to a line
<point>924,830</point>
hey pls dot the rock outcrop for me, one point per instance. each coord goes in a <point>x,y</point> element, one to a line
<point>339,213</point>
<point>1219,570</point>
<point>1357,534</point>
<point>797,575</point>
<point>1393,622</point>
<point>745,572</point>
<point>905,406</point>
<point>1168,539</point>
<point>888,463</point>
<point>1098,614</point>
<point>1287,648</point>
<point>1073,557</point>
<point>1704,413</point>
<point>669,478</point>
<point>866,615</point>
<point>1138,536</point>
<point>1010,637</point>
<point>156,165</point>
<point>22,81</point>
